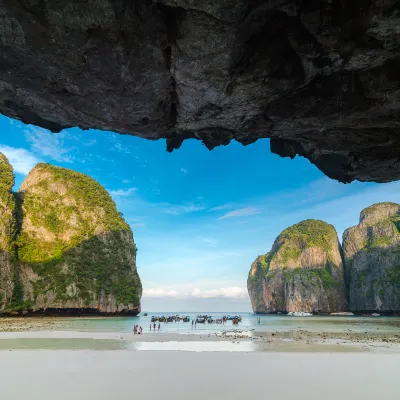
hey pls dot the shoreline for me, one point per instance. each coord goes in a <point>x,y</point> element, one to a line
<point>296,340</point>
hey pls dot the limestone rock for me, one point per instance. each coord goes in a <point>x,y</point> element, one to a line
<point>302,272</point>
<point>372,259</point>
<point>7,231</point>
<point>320,78</point>
<point>75,250</point>
<point>64,247</point>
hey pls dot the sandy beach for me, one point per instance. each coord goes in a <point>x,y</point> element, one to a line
<point>99,359</point>
<point>66,375</point>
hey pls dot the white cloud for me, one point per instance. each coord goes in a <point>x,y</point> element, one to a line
<point>221,207</point>
<point>126,181</point>
<point>48,144</point>
<point>122,192</point>
<point>181,209</point>
<point>234,292</point>
<point>184,171</point>
<point>241,212</point>
<point>118,146</point>
<point>153,292</point>
<point>22,160</point>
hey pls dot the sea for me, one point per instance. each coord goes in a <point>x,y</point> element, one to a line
<point>250,322</point>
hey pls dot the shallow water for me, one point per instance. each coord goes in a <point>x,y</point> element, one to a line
<point>268,323</point>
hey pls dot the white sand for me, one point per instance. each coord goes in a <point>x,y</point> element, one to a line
<point>67,375</point>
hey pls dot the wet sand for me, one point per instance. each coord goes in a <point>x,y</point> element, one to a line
<point>99,375</point>
<point>291,341</point>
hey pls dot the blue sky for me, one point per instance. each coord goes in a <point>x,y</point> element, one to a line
<point>199,218</point>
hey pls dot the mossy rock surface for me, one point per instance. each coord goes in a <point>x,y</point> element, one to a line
<point>372,259</point>
<point>302,272</point>
<point>73,249</point>
<point>7,232</point>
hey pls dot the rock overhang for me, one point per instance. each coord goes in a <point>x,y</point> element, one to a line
<point>320,79</point>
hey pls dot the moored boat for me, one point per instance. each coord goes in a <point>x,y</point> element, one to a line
<point>300,314</point>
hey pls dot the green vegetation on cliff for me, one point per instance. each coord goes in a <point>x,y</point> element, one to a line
<point>309,233</point>
<point>7,232</point>
<point>372,258</point>
<point>74,239</point>
<point>302,272</point>
<point>293,240</point>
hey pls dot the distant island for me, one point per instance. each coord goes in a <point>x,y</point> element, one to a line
<point>308,269</point>
<point>64,247</point>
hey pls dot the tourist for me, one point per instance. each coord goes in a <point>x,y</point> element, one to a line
<point>141,330</point>
<point>154,327</point>
<point>159,326</point>
<point>192,323</point>
<point>150,327</point>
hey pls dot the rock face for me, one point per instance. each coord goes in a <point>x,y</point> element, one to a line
<point>320,78</point>
<point>372,259</point>
<point>7,231</point>
<point>302,272</point>
<point>74,251</point>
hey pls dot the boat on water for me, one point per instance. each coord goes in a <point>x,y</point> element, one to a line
<point>299,314</point>
<point>233,317</point>
<point>170,318</point>
<point>145,314</point>
<point>200,320</point>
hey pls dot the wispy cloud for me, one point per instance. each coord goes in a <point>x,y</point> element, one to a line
<point>48,144</point>
<point>184,171</point>
<point>22,160</point>
<point>118,146</point>
<point>241,212</point>
<point>210,242</point>
<point>123,192</point>
<point>234,292</point>
<point>221,207</point>
<point>230,292</point>
<point>181,209</point>
<point>89,143</point>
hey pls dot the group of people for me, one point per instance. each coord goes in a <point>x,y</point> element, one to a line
<point>154,327</point>
<point>137,330</point>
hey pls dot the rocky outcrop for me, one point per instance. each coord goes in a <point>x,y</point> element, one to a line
<point>372,259</point>
<point>302,272</point>
<point>7,231</point>
<point>320,78</point>
<point>73,251</point>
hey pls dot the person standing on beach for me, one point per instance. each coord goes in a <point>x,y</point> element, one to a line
<point>159,326</point>
<point>154,327</point>
<point>192,323</point>
<point>150,327</point>
<point>141,330</point>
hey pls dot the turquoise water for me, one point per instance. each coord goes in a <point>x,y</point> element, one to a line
<point>249,322</point>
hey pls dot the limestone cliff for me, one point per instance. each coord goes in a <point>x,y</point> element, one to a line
<point>75,250</point>
<point>302,272</point>
<point>372,259</point>
<point>63,245</point>
<point>7,225</point>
